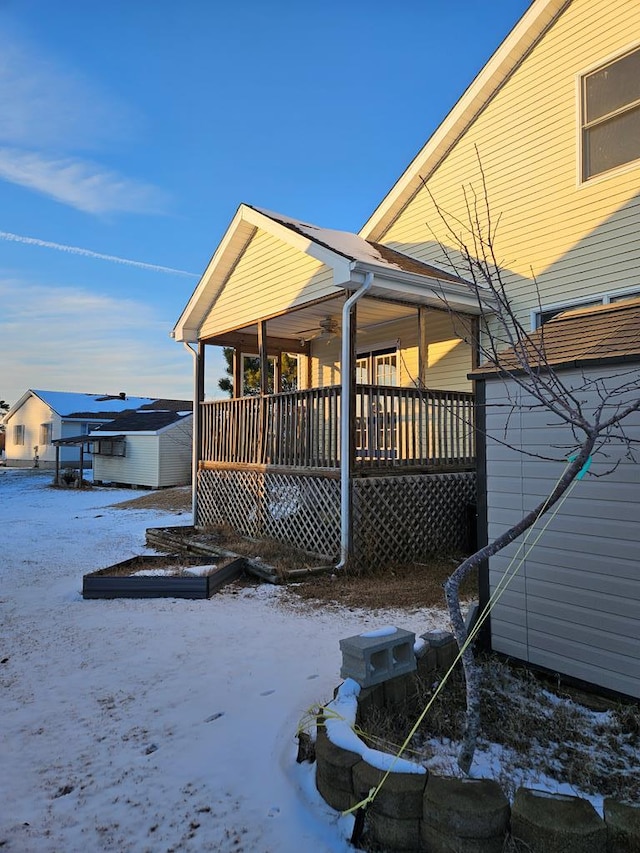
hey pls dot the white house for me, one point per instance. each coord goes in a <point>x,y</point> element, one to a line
<point>148,447</point>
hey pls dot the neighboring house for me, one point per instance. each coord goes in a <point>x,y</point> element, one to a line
<point>574,605</point>
<point>41,417</point>
<point>550,126</point>
<point>149,447</point>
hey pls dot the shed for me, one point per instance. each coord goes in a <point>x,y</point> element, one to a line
<point>573,607</point>
<point>150,448</point>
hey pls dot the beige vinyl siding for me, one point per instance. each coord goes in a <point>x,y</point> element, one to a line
<point>269,278</point>
<point>449,358</point>
<point>174,449</point>
<point>574,605</point>
<point>577,238</point>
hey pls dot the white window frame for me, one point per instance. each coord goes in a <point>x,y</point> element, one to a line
<point>582,178</point>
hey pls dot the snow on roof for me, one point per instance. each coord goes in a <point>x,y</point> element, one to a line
<point>356,248</point>
<point>71,405</point>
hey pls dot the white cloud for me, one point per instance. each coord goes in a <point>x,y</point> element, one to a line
<point>83,185</point>
<point>47,116</point>
<point>73,339</point>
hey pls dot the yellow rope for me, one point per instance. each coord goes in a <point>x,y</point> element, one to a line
<point>495,597</point>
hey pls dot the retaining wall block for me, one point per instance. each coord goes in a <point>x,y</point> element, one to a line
<point>372,660</point>
<point>439,842</point>
<point>369,698</point>
<point>400,797</point>
<point>334,779</point>
<point>555,823</point>
<point>427,661</point>
<point>623,826</point>
<point>397,691</point>
<point>393,834</point>
<point>465,808</point>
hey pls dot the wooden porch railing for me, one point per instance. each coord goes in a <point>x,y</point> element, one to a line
<point>394,427</point>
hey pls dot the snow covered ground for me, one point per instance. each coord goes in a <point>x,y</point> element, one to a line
<point>153,725</point>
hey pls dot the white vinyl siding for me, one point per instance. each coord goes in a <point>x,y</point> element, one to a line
<point>31,416</point>
<point>577,238</point>
<point>574,606</point>
<point>155,460</point>
<point>269,278</point>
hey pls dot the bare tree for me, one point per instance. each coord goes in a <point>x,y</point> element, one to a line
<point>523,358</point>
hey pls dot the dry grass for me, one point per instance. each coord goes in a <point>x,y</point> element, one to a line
<point>171,500</point>
<point>406,587</point>
<point>543,730</point>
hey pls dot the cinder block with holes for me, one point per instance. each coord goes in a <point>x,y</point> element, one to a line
<point>373,658</point>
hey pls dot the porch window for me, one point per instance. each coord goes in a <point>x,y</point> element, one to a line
<point>378,367</point>
<point>376,416</point>
<point>18,434</point>
<point>611,115</point>
<point>45,434</point>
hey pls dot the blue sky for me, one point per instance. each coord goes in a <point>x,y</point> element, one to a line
<point>133,129</point>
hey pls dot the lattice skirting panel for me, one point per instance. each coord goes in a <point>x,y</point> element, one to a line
<point>301,511</point>
<point>403,519</point>
<point>395,519</point>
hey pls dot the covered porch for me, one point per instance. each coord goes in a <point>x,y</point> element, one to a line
<point>371,457</point>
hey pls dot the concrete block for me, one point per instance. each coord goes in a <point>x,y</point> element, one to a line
<point>466,808</point>
<point>374,657</point>
<point>623,826</point>
<point>556,823</point>
<point>401,795</point>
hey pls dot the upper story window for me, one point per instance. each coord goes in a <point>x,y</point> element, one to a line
<point>18,434</point>
<point>611,115</point>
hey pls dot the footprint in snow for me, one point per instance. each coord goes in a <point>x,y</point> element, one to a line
<point>273,811</point>
<point>267,692</point>
<point>310,677</point>
<point>214,717</point>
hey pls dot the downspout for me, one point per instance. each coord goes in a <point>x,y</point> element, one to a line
<point>196,433</point>
<point>345,422</point>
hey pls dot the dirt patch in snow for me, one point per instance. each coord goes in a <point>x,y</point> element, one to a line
<point>172,500</point>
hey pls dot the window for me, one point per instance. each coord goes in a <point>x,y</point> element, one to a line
<point>45,434</point>
<point>108,447</point>
<point>377,368</point>
<point>18,434</point>
<point>548,312</point>
<point>611,115</point>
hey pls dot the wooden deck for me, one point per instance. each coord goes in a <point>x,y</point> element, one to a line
<point>405,429</point>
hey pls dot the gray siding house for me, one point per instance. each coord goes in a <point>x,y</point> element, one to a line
<point>573,607</point>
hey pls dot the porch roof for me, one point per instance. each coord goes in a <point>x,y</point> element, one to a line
<point>346,258</point>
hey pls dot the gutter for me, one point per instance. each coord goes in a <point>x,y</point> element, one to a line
<point>345,422</point>
<point>196,433</point>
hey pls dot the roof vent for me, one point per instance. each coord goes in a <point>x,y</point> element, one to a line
<point>122,395</point>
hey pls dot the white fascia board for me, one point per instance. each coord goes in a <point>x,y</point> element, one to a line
<point>504,61</point>
<point>436,292</point>
<point>201,300</point>
<point>11,412</point>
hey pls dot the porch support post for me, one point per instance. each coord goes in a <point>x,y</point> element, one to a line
<point>347,415</point>
<point>237,372</point>
<point>79,483</point>
<point>423,347</point>
<point>198,397</point>
<point>264,358</point>
<point>57,477</point>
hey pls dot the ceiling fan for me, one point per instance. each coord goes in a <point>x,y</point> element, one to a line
<point>326,330</point>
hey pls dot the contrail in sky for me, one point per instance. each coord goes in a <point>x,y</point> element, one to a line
<point>87,253</point>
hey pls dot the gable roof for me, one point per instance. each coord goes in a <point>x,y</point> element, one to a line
<point>522,39</point>
<point>143,420</point>
<point>578,338</point>
<point>74,406</point>
<point>348,256</point>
